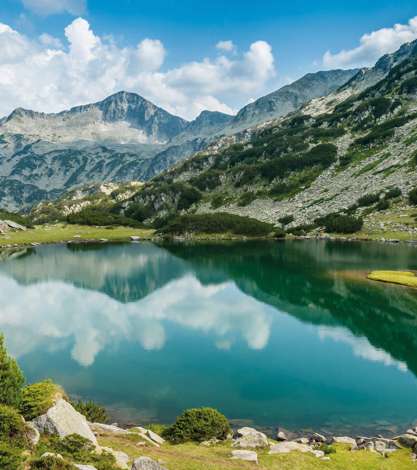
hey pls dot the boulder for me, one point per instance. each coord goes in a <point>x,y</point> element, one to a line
<point>249,438</point>
<point>134,238</point>
<point>145,463</point>
<point>32,434</point>
<point>346,440</point>
<point>122,459</point>
<point>247,455</point>
<point>84,467</point>
<point>14,225</point>
<point>407,440</point>
<point>316,437</point>
<point>281,436</point>
<point>289,446</point>
<point>62,419</point>
<point>155,437</point>
<point>102,429</point>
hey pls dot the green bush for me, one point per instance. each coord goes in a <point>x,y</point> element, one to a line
<point>368,199</point>
<point>409,86</point>
<point>101,217</point>
<point>10,457</point>
<point>11,377</point>
<point>286,219</point>
<point>392,193</point>
<point>412,197</point>
<point>340,223</point>
<point>217,201</point>
<point>382,205</point>
<point>301,230</point>
<point>198,424</point>
<point>246,198</point>
<point>139,212</point>
<point>188,197</point>
<point>12,427</point>
<point>38,398</point>
<point>327,449</point>
<point>91,410</point>
<point>51,463</point>
<point>219,222</point>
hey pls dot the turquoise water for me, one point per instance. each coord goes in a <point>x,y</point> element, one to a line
<point>270,333</point>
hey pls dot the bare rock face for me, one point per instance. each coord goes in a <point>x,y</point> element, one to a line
<point>249,438</point>
<point>146,463</point>
<point>62,419</point>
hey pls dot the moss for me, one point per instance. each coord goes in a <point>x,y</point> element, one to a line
<point>38,398</point>
<point>404,278</point>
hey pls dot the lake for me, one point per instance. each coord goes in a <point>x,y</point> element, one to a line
<point>286,333</point>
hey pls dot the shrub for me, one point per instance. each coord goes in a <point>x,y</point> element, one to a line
<point>368,200</point>
<point>101,217</point>
<point>279,233</point>
<point>188,197</point>
<point>340,223</point>
<point>12,427</point>
<point>218,201</point>
<point>301,230</point>
<point>412,197</point>
<point>91,410</point>
<point>11,377</point>
<point>10,457</point>
<point>286,219</point>
<point>327,449</point>
<point>51,462</point>
<point>198,424</point>
<point>392,193</point>
<point>409,86</point>
<point>382,205</point>
<point>139,212</point>
<point>219,222</point>
<point>38,398</point>
<point>246,198</point>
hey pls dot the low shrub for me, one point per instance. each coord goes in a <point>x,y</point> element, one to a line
<point>301,230</point>
<point>217,201</point>
<point>327,449</point>
<point>12,427</point>
<point>219,222</point>
<point>392,193</point>
<point>368,200</point>
<point>11,377</point>
<point>198,424</point>
<point>10,457</point>
<point>382,205</point>
<point>51,462</point>
<point>37,398</point>
<point>91,410</point>
<point>340,223</point>
<point>246,198</point>
<point>286,219</point>
<point>188,197</point>
<point>139,212</point>
<point>100,217</point>
<point>412,196</point>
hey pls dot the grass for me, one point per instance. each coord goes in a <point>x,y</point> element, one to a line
<point>404,278</point>
<point>64,233</point>
<point>196,457</point>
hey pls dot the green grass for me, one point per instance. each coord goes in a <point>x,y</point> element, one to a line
<point>196,457</point>
<point>63,233</point>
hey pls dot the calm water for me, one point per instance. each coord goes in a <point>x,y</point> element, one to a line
<point>273,333</point>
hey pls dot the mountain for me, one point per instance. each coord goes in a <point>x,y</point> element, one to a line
<point>358,159</point>
<point>291,97</point>
<point>122,138</point>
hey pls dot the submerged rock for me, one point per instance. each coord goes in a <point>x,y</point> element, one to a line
<point>249,438</point>
<point>62,419</point>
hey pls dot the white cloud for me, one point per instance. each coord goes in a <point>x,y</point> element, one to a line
<point>45,75</point>
<point>373,45</point>
<point>227,46</point>
<point>53,7</point>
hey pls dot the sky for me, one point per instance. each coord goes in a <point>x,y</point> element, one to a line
<point>185,55</point>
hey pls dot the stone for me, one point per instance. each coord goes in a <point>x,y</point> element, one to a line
<point>84,467</point>
<point>14,225</point>
<point>250,438</point>
<point>247,455</point>
<point>302,440</point>
<point>146,463</point>
<point>100,429</point>
<point>134,238</point>
<point>122,459</point>
<point>62,419</point>
<point>407,440</point>
<point>211,442</point>
<point>281,436</point>
<point>155,437</point>
<point>316,437</point>
<point>346,440</point>
<point>289,446</point>
<point>380,446</point>
<point>318,453</point>
<point>32,434</point>
<point>51,454</point>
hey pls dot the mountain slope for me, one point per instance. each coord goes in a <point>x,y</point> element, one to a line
<point>360,159</point>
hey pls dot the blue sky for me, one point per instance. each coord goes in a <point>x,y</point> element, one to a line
<point>179,66</point>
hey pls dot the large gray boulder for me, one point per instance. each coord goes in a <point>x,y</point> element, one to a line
<point>346,440</point>
<point>249,438</point>
<point>146,463</point>
<point>62,419</point>
<point>289,446</point>
<point>408,440</point>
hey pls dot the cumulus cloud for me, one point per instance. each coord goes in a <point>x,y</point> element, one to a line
<point>227,46</point>
<point>53,7</point>
<point>45,75</point>
<point>373,45</point>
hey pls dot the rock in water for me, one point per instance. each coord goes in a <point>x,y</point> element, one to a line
<point>62,419</point>
<point>247,455</point>
<point>145,463</point>
<point>249,438</point>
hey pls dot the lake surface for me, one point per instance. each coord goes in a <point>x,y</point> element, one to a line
<point>271,333</point>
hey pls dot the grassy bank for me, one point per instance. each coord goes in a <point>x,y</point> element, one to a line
<point>65,232</point>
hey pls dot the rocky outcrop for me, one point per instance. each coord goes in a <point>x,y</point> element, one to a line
<point>32,434</point>
<point>250,438</point>
<point>146,463</point>
<point>62,419</point>
<point>246,455</point>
